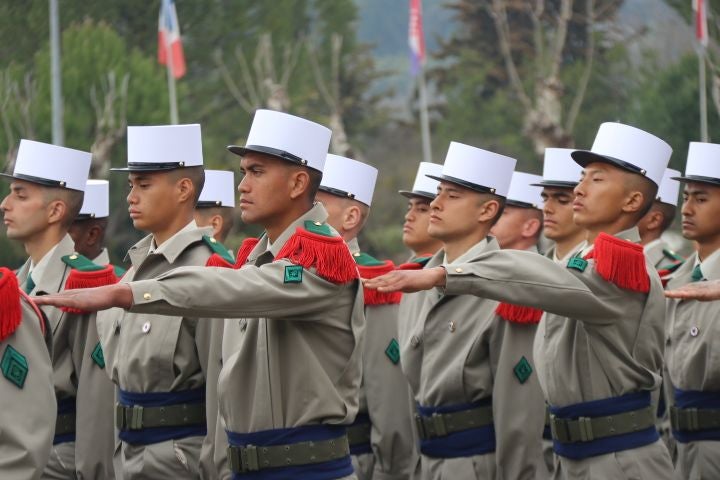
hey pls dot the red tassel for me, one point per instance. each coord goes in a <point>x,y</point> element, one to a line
<point>416,265</point>
<point>373,297</point>
<point>10,311</point>
<point>216,260</point>
<point>329,256</point>
<point>621,262</point>
<point>518,314</point>
<point>89,279</point>
<point>247,246</point>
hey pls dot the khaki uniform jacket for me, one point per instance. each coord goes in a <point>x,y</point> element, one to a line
<point>456,350</point>
<point>27,415</point>
<point>693,362</point>
<point>596,340</point>
<point>291,354</point>
<point>75,374</point>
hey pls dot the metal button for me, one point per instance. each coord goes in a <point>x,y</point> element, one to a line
<point>212,240</point>
<point>356,254</point>
<point>451,326</point>
<point>146,327</point>
<point>694,331</point>
<point>458,270</point>
<point>414,341</point>
<point>147,296</point>
<point>73,256</point>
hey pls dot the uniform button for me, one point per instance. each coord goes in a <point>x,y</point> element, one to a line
<point>318,223</point>
<point>356,254</point>
<point>414,341</point>
<point>694,331</point>
<point>458,270</point>
<point>147,296</point>
<point>146,327</point>
<point>451,326</point>
<point>73,257</point>
<point>212,240</point>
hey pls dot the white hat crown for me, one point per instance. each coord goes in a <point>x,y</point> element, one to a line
<point>96,203</point>
<point>219,189</point>
<point>424,186</point>
<point>51,165</point>
<point>703,161</point>
<point>669,187</point>
<point>349,178</point>
<point>559,168</point>
<point>523,190</point>
<point>478,169</point>
<point>164,147</point>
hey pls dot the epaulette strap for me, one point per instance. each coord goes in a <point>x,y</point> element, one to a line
<point>221,256</point>
<point>10,310</point>
<point>621,262</point>
<point>373,297</point>
<point>417,263</point>
<point>86,274</point>
<point>365,259</point>
<point>245,249</point>
<point>119,271</point>
<point>673,256</point>
<point>328,255</point>
<point>518,314</point>
<point>80,262</point>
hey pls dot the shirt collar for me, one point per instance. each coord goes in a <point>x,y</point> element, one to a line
<point>164,246</point>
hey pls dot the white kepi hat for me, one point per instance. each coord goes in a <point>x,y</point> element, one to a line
<point>96,203</point>
<point>703,163</point>
<point>424,186</point>
<point>559,169</point>
<point>51,166</point>
<point>628,148</point>
<point>669,188</point>
<point>477,169</point>
<point>287,137</point>
<point>219,189</point>
<point>524,192</point>
<point>349,178</point>
<point>163,147</point>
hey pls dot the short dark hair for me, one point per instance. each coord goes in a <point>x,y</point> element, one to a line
<point>195,174</point>
<point>315,180</point>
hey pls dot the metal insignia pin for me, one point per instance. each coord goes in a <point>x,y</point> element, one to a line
<point>451,326</point>
<point>694,331</point>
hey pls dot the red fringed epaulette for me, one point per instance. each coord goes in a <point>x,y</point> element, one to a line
<point>89,279</point>
<point>328,255</point>
<point>518,314</point>
<point>373,297</point>
<point>10,311</point>
<point>220,257</point>
<point>216,260</point>
<point>620,262</point>
<point>246,247</point>
<point>417,263</point>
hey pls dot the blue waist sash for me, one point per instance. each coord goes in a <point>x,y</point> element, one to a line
<point>702,401</point>
<point>603,408</point>
<point>465,443</point>
<point>331,470</point>
<point>64,407</point>
<point>147,436</point>
<point>361,420</point>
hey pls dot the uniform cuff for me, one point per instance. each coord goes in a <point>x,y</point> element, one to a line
<point>145,291</point>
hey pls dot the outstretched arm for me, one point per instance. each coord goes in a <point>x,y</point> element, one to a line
<point>703,291</point>
<point>90,299</point>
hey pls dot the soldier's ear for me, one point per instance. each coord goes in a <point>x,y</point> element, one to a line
<point>185,189</point>
<point>56,210</point>
<point>299,183</point>
<point>488,211</point>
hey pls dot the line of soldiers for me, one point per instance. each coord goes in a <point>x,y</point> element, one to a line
<point>299,357</point>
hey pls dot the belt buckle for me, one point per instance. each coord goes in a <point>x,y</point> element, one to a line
<point>136,415</point>
<point>585,427</point>
<point>249,461</point>
<point>559,429</point>
<point>439,423</point>
<point>421,426</point>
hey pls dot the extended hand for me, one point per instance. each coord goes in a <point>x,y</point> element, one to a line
<point>703,291</point>
<point>407,281</point>
<point>90,299</point>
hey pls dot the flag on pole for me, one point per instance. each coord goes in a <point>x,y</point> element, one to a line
<point>701,31</point>
<point>416,39</point>
<point>169,39</point>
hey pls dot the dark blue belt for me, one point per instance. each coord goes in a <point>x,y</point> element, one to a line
<point>66,417</point>
<point>359,435</point>
<point>341,467</point>
<point>689,400</point>
<point>464,443</point>
<point>146,436</point>
<point>604,408</point>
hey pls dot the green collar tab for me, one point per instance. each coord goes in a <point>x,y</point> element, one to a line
<point>218,248</point>
<point>522,370</point>
<point>420,260</point>
<point>319,228</point>
<point>14,366</point>
<point>119,271</point>
<point>365,260</point>
<point>80,262</point>
<point>293,274</point>
<point>393,351</point>
<point>672,255</point>
<point>97,356</point>
<point>577,263</point>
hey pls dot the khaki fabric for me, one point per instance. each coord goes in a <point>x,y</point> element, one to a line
<point>155,353</point>
<point>75,374</point>
<point>656,254</point>
<point>596,340</point>
<point>27,415</point>
<point>455,350</point>
<point>291,351</point>
<point>693,363</point>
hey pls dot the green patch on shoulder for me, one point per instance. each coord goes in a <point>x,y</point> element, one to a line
<point>319,228</point>
<point>119,271</point>
<point>393,351</point>
<point>97,356</point>
<point>81,263</point>
<point>365,260</point>
<point>14,366</point>
<point>421,260</point>
<point>218,248</point>
<point>577,263</point>
<point>293,274</point>
<point>522,370</point>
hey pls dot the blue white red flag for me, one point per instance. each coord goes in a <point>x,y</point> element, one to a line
<point>416,39</point>
<point>169,41</point>
<point>700,11</point>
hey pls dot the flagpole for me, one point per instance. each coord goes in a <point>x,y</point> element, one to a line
<point>58,131</point>
<point>424,118</point>
<point>171,84</point>
<point>703,94</point>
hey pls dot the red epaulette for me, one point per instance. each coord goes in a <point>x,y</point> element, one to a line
<point>417,263</point>
<point>620,262</point>
<point>246,247</point>
<point>518,314</point>
<point>373,297</point>
<point>10,310</point>
<point>86,274</point>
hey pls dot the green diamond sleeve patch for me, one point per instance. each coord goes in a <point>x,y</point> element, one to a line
<point>393,351</point>
<point>97,356</point>
<point>578,264</point>
<point>14,366</point>
<point>522,370</point>
<point>293,274</point>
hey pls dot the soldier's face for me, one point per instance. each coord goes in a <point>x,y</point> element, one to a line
<point>417,220</point>
<point>152,200</point>
<point>514,226</point>
<point>558,221</point>
<point>25,211</point>
<point>335,207</point>
<point>701,212</point>
<point>454,212</point>
<point>264,189</point>
<point>600,195</point>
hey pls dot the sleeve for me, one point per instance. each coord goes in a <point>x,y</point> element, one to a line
<point>277,289</point>
<point>518,403</point>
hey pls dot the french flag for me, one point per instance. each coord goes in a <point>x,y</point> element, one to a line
<point>169,38</point>
<point>701,31</point>
<point>416,39</point>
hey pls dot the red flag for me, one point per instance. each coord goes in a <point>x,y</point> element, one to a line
<point>169,39</point>
<point>416,39</point>
<point>701,31</point>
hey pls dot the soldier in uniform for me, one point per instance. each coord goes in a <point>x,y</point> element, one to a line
<point>599,349</point>
<point>292,353</point>
<point>414,234</point>
<point>27,396</point>
<point>46,195</point>
<point>381,440</point>
<point>560,176</point>
<point>692,325</point>
<point>88,229</point>
<point>216,206</point>
<point>520,225</point>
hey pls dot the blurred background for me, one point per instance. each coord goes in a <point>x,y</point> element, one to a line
<point>513,76</point>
